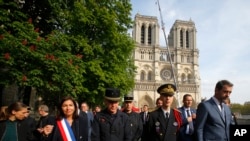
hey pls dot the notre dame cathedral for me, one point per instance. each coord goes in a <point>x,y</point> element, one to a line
<point>156,65</point>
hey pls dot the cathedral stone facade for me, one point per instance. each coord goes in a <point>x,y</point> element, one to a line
<point>176,63</point>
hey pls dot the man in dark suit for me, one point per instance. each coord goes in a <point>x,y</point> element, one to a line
<point>213,116</point>
<point>145,116</point>
<point>188,119</point>
<point>165,122</point>
<point>90,115</point>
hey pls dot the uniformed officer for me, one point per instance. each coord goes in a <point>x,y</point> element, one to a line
<point>136,125</point>
<point>164,123</point>
<point>111,124</point>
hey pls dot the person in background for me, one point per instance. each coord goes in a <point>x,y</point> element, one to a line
<point>111,124</point>
<point>97,109</point>
<point>188,119</point>
<point>16,114</point>
<point>159,102</point>
<point>213,116</point>
<point>136,126</point>
<point>165,122</point>
<point>85,109</point>
<point>145,116</point>
<point>234,118</point>
<point>69,125</point>
<point>45,119</point>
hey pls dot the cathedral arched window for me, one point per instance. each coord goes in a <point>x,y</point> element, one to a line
<point>181,38</point>
<point>149,75</point>
<point>142,54</point>
<point>188,59</point>
<point>150,55</point>
<point>142,34</point>
<point>149,35</point>
<point>187,39</point>
<point>190,79</point>
<point>142,76</point>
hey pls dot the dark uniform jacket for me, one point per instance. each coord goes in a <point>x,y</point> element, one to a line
<point>136,125</point>
<point>162,130</point>
<point>107,127</point>
<point>24,132</point>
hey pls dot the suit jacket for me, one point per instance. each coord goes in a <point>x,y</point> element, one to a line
<point>145,126</point>
<point>182,134</point>
<point>90,117</point>
<point>210,124</point>
<point>160,129</point>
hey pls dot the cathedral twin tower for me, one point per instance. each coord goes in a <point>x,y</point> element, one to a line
<point>156,65</point>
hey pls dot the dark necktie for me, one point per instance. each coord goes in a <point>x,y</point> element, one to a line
<point>190,124</point>
<point>167,116</point>
<point>145,117</point>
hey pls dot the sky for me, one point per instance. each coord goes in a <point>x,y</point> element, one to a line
<point>223,38</point>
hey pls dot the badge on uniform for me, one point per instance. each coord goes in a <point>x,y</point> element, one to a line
<point>175,123</point>
<point>157,127</point>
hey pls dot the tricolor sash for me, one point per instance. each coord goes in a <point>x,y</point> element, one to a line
<point>65,130</point>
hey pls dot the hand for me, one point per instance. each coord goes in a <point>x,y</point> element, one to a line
<point>40,130</point>
<point>189,119</point>
<point>48,129</point>
<point>194,115</point>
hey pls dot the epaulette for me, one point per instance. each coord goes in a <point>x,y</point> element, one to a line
<point>177,110</point>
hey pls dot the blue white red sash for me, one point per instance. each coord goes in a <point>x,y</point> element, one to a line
<point>65,130</point>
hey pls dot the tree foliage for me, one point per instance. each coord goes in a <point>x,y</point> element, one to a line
<point>239,108</point>
<point>76,48</point>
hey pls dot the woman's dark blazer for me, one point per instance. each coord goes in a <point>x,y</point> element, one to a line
<point>79,127</point>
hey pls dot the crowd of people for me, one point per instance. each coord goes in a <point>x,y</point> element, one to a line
<point>210,121</point>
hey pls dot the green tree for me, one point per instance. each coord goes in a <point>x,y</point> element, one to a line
<point>84,49</point>
<point>108,59</point>
<point>30,60</point>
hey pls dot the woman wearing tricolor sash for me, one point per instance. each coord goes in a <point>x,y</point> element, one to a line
<point>69,125</point>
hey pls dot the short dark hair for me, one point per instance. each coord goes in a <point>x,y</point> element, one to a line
<point>221,83</point>
<point>186,95</point>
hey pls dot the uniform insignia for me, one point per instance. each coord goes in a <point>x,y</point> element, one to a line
<point>177,110</point>
<point>157,127</point>
<point>175,123</point>
<point>157,123</point>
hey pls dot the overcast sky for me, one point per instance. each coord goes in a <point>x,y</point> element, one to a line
<point>223,38</point>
